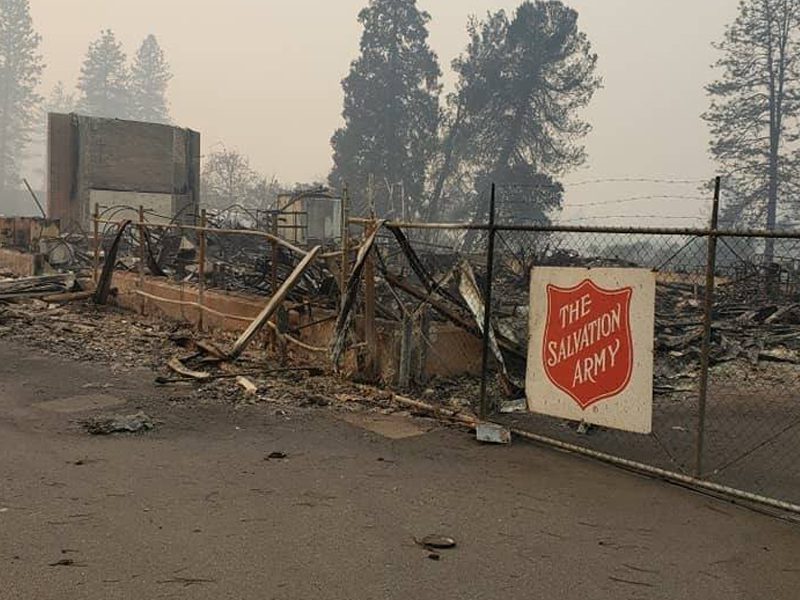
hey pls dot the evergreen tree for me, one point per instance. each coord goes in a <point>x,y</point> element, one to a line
<point>104,83</point>
<point>150,76</point>
<point>391,108</point>
<point>522,83</point>
<point>20,72</point>
<point>754,110</point>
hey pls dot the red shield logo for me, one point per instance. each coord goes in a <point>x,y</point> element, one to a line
<point>588,350</point>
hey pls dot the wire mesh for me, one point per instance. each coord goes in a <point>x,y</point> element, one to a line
<point>430,289</point>
<point>679,262</point>
<point>753,411</point>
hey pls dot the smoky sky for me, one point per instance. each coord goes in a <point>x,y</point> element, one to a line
<point>263,76</point>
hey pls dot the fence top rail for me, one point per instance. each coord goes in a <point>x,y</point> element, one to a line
<point>263,234</point>
<point>556,228</point>
<point>419,225</point>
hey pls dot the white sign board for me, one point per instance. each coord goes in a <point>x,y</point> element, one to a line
<point>590,353</point>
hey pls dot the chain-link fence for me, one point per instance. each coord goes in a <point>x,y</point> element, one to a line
<point>725,407</point>
<point>726,339</point>
<point>679,262</point>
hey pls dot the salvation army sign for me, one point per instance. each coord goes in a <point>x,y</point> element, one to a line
<point>591,346</point>
<point>588,349</point>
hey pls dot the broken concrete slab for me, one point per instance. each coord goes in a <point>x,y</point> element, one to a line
<point>491,433</point>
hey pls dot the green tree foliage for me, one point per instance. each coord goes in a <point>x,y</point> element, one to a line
<point>391,108</point>
<point>150,76</point>
<point>515,116</point>
<point>104,83</point>
<point>754,109</point>
<point>20,73</point>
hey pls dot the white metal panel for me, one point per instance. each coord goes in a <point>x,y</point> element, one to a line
<point>590,355</point>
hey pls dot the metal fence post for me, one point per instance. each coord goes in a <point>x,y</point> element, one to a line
<point>708,318</point>
<point>201,271</point>
<point>370,329</point>
<point>275,258</point>
<point>96,257</point>
<point>487,313</point>
<point>142,256</point>
<point>345,266</point>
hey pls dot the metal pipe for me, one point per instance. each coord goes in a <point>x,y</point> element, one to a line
<point>556,228</point>
<point>223,315</point>
<point>345,264</point>
<point>708,318</point>
<point>418,225</point>
<point>642,468</point>
<point>141,255</point>
<point>719,233</point>
<point>96,256</point>
<point>35,199</point>
<point>252,232</point>
<point>201,268</point>
<point>487,310</point>
<point>661,473</point>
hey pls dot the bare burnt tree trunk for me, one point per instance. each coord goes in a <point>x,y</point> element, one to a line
<point>777,84</point>
<point>447,166</point>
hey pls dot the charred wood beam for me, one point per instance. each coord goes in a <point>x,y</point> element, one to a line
<point>419,269</point>
<point>449,314</point>
<point>347,312</point>
<point>274,303</point>
<point>104,283</point>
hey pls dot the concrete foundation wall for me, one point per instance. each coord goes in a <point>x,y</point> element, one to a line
<point>451,351</point>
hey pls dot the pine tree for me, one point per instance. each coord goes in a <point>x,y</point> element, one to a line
<point>20,72</point>
<point>150,76</point>
<point>754,112</point>
<point>522,84</point>
<point>391,108</point>
<point>104,83</point>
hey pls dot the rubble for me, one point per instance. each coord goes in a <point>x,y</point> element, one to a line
<point>107,425</point>
<point>36,287</point>
<point>752,326</point>
<point>491,433</point>
<point>742,333</point>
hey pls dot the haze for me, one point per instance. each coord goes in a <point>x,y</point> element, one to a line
<point>263,76</point>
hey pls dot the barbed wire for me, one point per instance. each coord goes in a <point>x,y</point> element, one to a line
<point>607,217</point>
<point>604,180</point>
<point>568,206</point>
<point>665,181</point>
<point>640,199</point>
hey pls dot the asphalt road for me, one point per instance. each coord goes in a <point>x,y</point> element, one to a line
<point>194,510</point>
